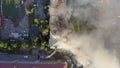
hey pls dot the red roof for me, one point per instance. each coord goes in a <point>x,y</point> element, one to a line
<point>11,36</point>
<point>24,66</point>
<point>1,22</point>
<point>21,65</point>
<point>50,66</point>
<point>6,65</point>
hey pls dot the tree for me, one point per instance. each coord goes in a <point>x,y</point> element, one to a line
<point>1,44</point>
<point>9,48</point>
<point>17,2</point>
<point>36,39</point>
<point>46,9</point>
<point>25,45</point>
<point>14,45</point>
<point>44,46</point>
<point>36,21</point>
<point>29,11</point>
<point>5,45</point>
<point>45,32</point>
<point>34,46</point>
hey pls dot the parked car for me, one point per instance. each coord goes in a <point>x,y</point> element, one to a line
<point>21,2</point>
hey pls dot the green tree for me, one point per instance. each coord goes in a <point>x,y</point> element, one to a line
<point>36,39</point>
<point>29,11</point>
<point>1,44</point>
<point>44,46</point>
<point>14,45</point>
<point>45,32</point>
<point>25,45</point>
<point>17,2</point>
<point>36,21</point>
<point>9,48</point>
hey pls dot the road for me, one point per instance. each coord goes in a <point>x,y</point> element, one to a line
<point>13,58</point>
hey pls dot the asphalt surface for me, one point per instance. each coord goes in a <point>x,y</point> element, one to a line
<point>11,58</point>
<point>15,58</point>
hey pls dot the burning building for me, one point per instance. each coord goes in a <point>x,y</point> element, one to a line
<point>59,16</point>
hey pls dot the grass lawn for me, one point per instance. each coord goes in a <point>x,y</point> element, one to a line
<point>10,8</point>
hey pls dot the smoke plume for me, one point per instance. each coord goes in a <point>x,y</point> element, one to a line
<point>99,48</point>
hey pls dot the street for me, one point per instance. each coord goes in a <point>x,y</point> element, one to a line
<point>13,58</point>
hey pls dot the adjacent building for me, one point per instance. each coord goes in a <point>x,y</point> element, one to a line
<point>26,65</point>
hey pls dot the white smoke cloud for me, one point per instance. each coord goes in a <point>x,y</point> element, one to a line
<point>89,52</point>
<point>100,48</point>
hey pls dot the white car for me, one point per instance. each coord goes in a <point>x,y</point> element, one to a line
<point>25,57</point>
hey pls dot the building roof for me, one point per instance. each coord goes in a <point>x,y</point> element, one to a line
<point>1,21</point>
<point>50,66</point>
<point>6,65</point>
<point>18,65</point>
<point>24,66</point>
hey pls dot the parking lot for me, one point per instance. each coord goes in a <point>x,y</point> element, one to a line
<point>14,21</point>
<point>9,28</point>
